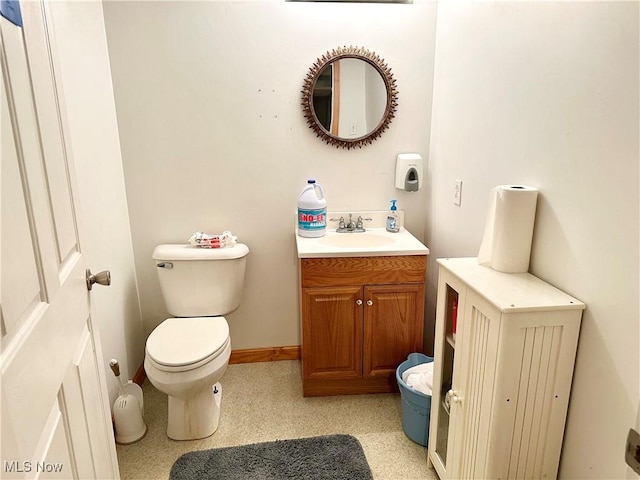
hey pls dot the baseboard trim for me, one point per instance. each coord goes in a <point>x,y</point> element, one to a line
<point>270,354</point>
<point>251,355</point>
<point>140,375</point>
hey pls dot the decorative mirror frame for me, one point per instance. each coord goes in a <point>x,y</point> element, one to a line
<point>310,82</point>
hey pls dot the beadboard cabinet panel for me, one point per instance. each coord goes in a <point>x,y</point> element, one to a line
<point>504,356</point>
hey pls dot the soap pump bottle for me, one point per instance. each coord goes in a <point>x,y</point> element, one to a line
<point>392,218</point>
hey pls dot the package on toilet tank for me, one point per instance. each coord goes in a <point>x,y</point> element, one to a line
<point>312,211</point>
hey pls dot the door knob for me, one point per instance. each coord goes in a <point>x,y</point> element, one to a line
<point>369,302</point>
<point>103,278</point>
<point>358,302</point>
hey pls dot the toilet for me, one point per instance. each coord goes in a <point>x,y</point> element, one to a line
<point>187,354</point>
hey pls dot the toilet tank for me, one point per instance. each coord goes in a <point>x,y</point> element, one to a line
<point>200,282</point>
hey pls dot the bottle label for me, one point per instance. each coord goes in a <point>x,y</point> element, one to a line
<point>391,222</point>
<point>312,219</point>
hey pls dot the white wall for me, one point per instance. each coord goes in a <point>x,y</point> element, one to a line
<point>95,150</point>
<point>213,136</point>
<point>546,94</point>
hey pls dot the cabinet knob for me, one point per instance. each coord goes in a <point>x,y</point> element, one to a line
<point>358,302</point>
<point>369,302</point>
<point>453,396</point>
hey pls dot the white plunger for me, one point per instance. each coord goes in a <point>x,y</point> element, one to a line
<point>127,410</point>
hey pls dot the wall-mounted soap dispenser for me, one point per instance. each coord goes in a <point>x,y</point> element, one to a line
<point>409,172</point>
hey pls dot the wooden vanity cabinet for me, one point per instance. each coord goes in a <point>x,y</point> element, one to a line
<point>361,317</point>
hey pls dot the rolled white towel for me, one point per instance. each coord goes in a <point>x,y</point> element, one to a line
<point>422,382</point>
<point>420,368</point>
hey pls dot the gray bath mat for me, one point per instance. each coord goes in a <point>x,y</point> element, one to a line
<point>328,457</point>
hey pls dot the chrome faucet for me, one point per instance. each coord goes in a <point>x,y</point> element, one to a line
<point>350,226</point>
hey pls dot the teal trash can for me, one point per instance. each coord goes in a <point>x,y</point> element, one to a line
<point>416,406</point>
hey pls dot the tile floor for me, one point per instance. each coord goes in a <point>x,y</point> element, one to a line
<point>263,402</point>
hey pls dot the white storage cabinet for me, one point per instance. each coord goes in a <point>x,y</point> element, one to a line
<point>502,374</point>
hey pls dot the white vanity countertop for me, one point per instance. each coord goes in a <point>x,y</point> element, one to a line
<point>375,242</point>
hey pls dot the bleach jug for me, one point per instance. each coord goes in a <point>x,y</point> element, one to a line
<point>312,211</point>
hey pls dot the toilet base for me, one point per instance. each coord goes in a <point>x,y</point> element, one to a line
<point>197,417</point>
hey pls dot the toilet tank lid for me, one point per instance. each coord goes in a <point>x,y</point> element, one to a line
<point>185,251</point>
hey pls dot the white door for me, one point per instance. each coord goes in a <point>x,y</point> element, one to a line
<point>55,414</point>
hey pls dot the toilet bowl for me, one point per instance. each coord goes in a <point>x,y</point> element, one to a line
<point>189,375</point>
<point>186,356</point>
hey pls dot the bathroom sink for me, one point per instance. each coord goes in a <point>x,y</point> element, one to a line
<point>374,242</point>
<point>357,240</point>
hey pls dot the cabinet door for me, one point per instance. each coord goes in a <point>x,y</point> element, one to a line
<point>473,387</point>
<point>393,326</point>
<point>450,299</point>
<point>332,332</point>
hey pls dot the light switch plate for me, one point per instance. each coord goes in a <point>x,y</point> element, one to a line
<point>632,453</point>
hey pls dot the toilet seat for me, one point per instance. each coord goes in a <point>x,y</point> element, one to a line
<point>181,344</point>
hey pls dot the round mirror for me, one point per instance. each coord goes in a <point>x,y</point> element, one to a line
<point>349,97</point>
